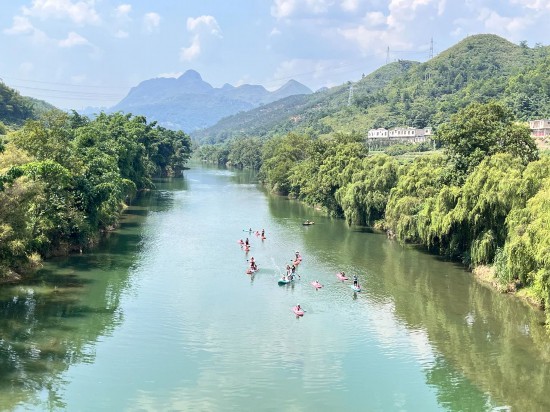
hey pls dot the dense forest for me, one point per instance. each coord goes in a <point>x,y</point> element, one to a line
<point>65,178</point>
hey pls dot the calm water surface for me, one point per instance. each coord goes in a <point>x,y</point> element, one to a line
<point>163,317</point>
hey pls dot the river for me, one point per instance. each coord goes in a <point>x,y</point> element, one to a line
<point>161,316</point>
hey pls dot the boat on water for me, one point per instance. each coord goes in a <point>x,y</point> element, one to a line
<point>298,311</point>
<point>308,223</point>
<point>316,285</point>
<point>342,277</point>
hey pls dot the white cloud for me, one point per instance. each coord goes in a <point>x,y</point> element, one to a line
<point>21,25</point>
<point>350,5</point>
<point>121,34</point>
<point>151,21</point>
<point>191,52</point>
<point>375,42</point>
<point>275,32</point>
<point>202,27</point>
<point>73,39</point>
<point>402,11</point>
<point>375,18</point>
<point>283,8</point>
<point>81,12</point>
<point>507,26</point>
<point>123,10</point>
<point>538,5</point>
<point>207,22</point>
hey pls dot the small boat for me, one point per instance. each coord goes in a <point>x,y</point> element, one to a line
<point>341,277</point>
<point>356,288</point>
<point>308,223</point>
<point>284,281</point>
<point>316,285</point>
<point>298,312</point>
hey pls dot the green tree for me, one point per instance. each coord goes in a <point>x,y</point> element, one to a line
<point>481,130</point>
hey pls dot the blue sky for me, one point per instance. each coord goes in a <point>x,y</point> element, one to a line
<point>79,53</point>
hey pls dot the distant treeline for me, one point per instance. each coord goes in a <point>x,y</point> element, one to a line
<point>64,178</point>
<point>483,200</point>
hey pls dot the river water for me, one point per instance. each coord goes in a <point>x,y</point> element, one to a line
<point>161,316</point>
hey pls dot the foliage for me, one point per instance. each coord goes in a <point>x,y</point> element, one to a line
<point>363,199</point>
<point>64,177</point>
<point>482,130</point>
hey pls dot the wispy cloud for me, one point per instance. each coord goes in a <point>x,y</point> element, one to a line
<point>204,22</point>
<point>200,27</point>
<point>191,52</point>
<point>122,11</point>
<point>151,21</point>
<point>538,5</point>
<point>74,39</point>
<point>22,26</point>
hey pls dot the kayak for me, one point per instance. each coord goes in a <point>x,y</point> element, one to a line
<point>316,285</point>
<point>308,223</point>
<point>298,312</point>
<point>356,288</point>
<point>341,277</point>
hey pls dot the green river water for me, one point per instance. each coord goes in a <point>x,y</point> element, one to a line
<point>161,316</point>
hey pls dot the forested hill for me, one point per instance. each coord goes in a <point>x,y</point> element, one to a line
<point>15,109</point>
<point>480,68</point>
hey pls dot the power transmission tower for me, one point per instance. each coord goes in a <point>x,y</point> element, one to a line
<point>432,48</point>
<point>388,55</point>
<point>350,97</point>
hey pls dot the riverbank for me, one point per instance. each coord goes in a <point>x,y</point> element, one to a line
<point>486,275</point>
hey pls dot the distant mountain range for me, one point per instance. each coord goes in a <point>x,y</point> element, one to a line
<point>189,103</point>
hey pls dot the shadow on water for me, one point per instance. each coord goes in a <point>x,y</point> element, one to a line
<point>52,321</point>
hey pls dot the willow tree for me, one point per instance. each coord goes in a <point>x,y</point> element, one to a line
<point>280,155</point>
<point>363,200</point>
<point>527,251</point>
<point>326,168</point>
<point>417,182</point>
<point>490,192</point>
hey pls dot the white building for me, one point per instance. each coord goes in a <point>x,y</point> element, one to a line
<point>401,134</point>
<point>540,128</point>
<point>379,133</point>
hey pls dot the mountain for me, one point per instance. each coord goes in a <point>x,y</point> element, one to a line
<point>189,103</point>
<point>15,109</point>
<point>477,69</point>
<point>300,111</point>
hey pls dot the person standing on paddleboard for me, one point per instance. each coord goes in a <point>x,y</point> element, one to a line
<point>355,281</point>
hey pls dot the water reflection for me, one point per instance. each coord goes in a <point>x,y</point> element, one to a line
<point>53,320</point>
<point>486,344</point>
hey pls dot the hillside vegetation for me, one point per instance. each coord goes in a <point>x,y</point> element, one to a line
<point>480,68</point>
<point>16,109</point>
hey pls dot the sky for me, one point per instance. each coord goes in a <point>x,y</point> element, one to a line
<point>89,53</point>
